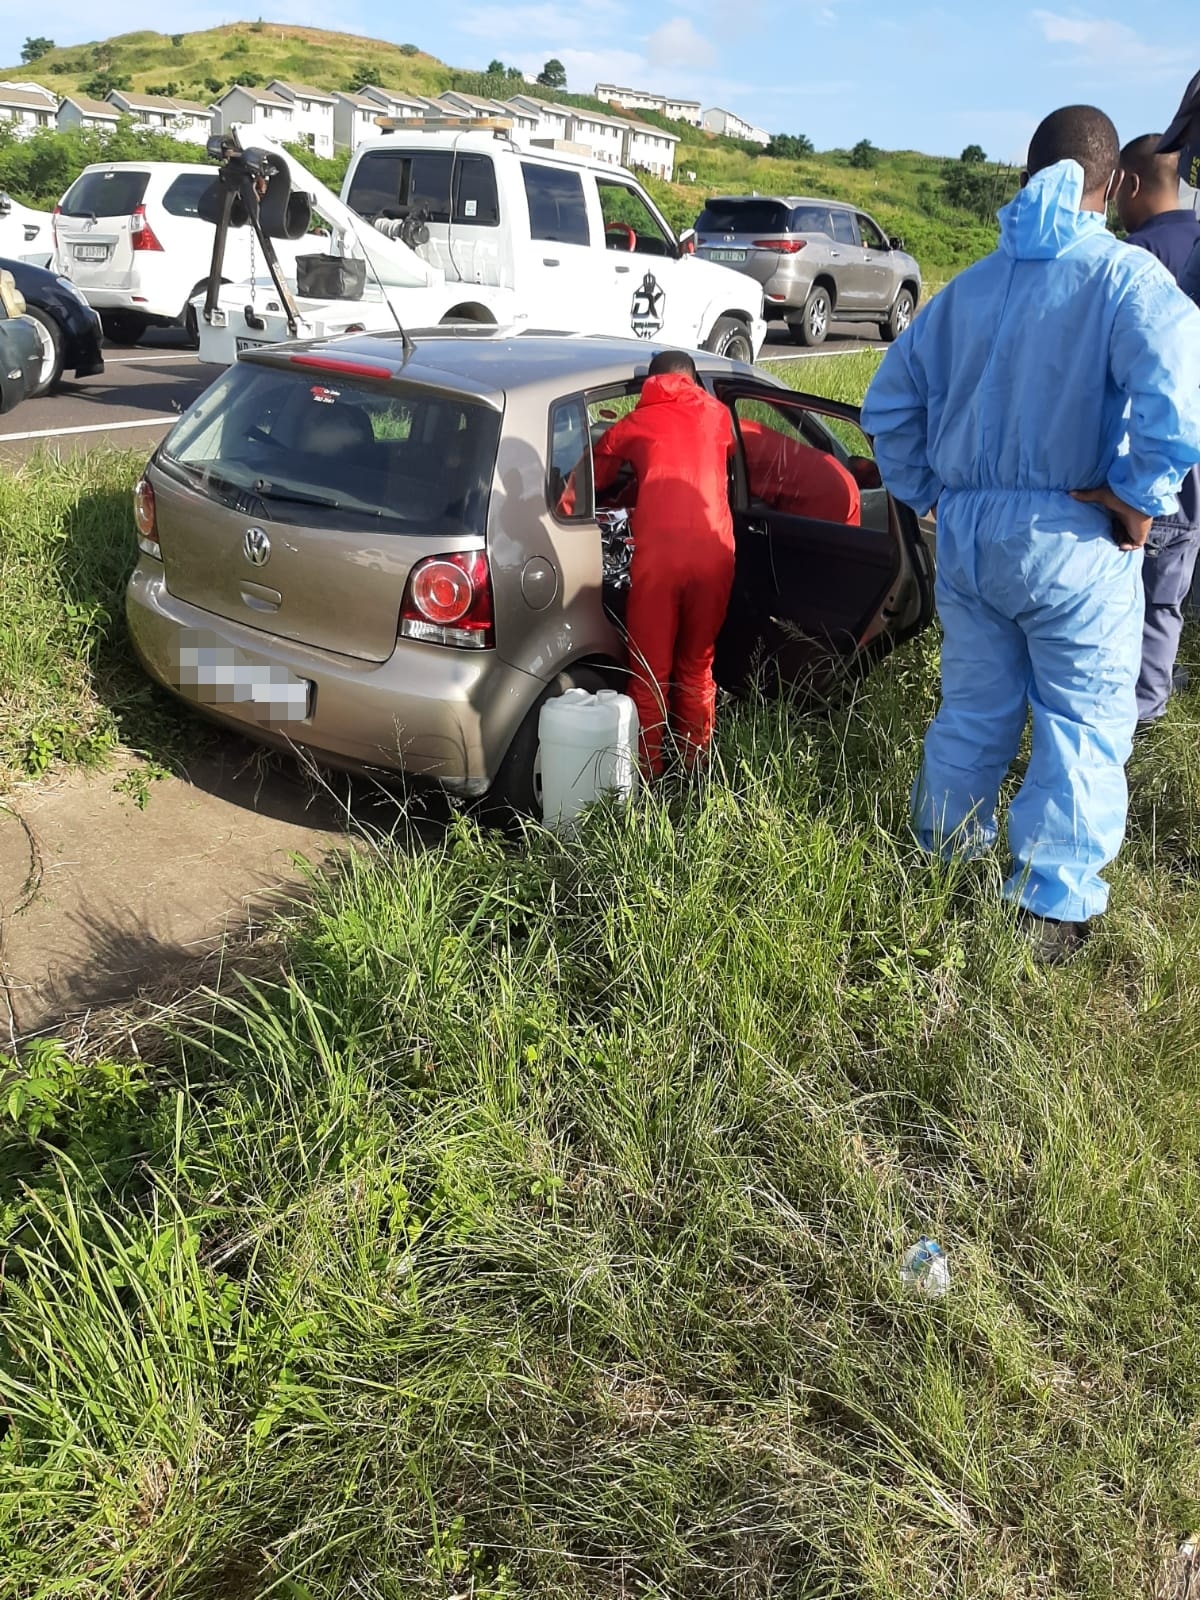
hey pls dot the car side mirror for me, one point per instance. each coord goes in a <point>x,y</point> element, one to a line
<point>865,472</point>
<point>687,243</point>
<point>5,206</point>
<point>896,244</point>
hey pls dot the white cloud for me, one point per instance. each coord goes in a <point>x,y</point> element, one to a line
<point>677,44</point>
<point>1114,47</point>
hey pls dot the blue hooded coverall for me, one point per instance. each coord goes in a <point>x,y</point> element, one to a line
<point>1063,361</point>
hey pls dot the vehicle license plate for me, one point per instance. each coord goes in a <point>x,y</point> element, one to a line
<point>91,252</point>
<point>251,344</point>
<point>727,255</point>
<point>220,675</point>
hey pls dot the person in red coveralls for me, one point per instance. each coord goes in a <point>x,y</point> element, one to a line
<point>679,442</point>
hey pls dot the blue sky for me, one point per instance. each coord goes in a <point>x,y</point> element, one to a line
<point>926,77</point>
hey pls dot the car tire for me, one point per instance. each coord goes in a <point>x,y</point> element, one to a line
<point>517,790</point>
<point>123,327</point>
<point>812,328</point>
<point>50,371</point>
<point>730,338</point>
<point>899,317</point>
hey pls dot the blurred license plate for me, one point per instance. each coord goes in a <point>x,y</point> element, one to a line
<point>220,675</point>
<point>251,344</point>
<point>91,252</point>
<point>727,255</point>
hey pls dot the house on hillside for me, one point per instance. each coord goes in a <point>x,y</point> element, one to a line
<point>263,109</point>
<point>182,119</point>
<point>643,100</point>
<point>478,107</point>
<point>649,149</point>
<point>717,120</point>
<point>401,107</point>
<point>603,136</point>
<point>79,111</point>
<point>553,122</point>
<point>355,118</point>
<point>312,114</point>
<point>26,107</point>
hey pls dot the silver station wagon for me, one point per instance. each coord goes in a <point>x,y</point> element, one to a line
<point>385,551</point>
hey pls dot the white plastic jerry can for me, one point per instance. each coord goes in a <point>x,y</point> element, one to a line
<point>589,748</point>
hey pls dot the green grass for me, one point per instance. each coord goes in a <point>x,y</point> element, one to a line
<point>531,1227</point>
<point>70,690</point>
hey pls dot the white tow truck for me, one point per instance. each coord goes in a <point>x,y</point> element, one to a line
<point>452,226</point>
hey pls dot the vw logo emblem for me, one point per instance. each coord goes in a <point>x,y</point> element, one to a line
<point>257,547</point>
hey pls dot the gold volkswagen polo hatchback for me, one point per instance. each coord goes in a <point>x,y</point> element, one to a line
<point>385,551</point>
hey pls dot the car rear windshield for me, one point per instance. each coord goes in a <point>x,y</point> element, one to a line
<point>105,194</point>
<point>743,216</point>
<point>182,199</point>
<point>316,449</point>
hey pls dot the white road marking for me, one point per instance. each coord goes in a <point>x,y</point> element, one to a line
<point>92,427</point>
<point>165,355</point>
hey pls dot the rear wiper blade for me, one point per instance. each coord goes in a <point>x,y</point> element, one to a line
<point>297,497</point>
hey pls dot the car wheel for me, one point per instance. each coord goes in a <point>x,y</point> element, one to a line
<point>50,368</point>
<point>518,785</point>
<point>123,327</point>
<point>730,338</point>
<point>813,326</point>
<point>900,316</point>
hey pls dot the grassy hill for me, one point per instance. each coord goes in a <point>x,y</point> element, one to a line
<point>905,191</point>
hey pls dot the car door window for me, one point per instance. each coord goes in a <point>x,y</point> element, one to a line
<point>809,466</point>
<point>569,463</point>
<point>872,238</point>
<point>629,223</point>
<point>811,219</point>
<point>557,209</point>
<point>844,229</point>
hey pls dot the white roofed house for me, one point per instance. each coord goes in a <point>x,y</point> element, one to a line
<point>649,149</point>
<point>354,119</point>
<point>79,111</point>
<point>717,120</point>
<point>603,136</point>
<point>182,119</point>
<point>312,114</point>
<point>271,113</point>
<point>455,102</point>
<point>682,111</point>
<point>26,107</point>
<point>401,107</point>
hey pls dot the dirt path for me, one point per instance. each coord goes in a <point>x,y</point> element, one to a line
<point>99,897</point>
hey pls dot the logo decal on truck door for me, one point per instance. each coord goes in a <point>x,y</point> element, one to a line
<point>646,312</point>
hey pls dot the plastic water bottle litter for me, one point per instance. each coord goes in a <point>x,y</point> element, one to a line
<point>924,1267</point>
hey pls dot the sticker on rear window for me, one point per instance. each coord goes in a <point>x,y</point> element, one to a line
<point>325,397</point>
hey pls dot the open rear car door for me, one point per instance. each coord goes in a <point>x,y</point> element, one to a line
<point>832,572</point>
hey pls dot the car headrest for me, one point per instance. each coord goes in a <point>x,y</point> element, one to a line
<point>11,299</point>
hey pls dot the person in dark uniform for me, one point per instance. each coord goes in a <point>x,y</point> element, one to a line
<point>1149,209</point>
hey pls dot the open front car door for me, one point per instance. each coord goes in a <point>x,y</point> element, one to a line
<point>832,572</point>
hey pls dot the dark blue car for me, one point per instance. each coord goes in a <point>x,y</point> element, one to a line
<point>67,326</point>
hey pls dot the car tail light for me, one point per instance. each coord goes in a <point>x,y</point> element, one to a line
<point>145,514</point>
<point>448,600</point>
<point>786,247</point>
<point>353,369</point>
<point>141,233</point>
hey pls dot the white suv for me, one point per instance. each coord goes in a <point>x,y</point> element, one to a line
<point>127,234</point>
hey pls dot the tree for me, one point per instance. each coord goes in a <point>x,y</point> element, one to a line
<point>495,69</point>
<point>790,146</point>
<point>366,76</point>
<point>864,155</point>
<point>177,40</point>
<point>409,50</point>
<point>973,156</point>
<point>35,49</point>
<point>553,75</point>
<point>514,75</point>
<point>101,84</point>
<point>977,187</point>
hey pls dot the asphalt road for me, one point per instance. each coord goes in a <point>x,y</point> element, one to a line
<point>143,390</point>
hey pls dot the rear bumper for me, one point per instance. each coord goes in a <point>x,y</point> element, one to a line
<point>443,715</point>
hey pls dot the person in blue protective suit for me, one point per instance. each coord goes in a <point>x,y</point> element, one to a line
<point>1149,209</point>
<point>1047,402</point>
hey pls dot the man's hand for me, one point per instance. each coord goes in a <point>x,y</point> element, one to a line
<point>1135,525</point>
